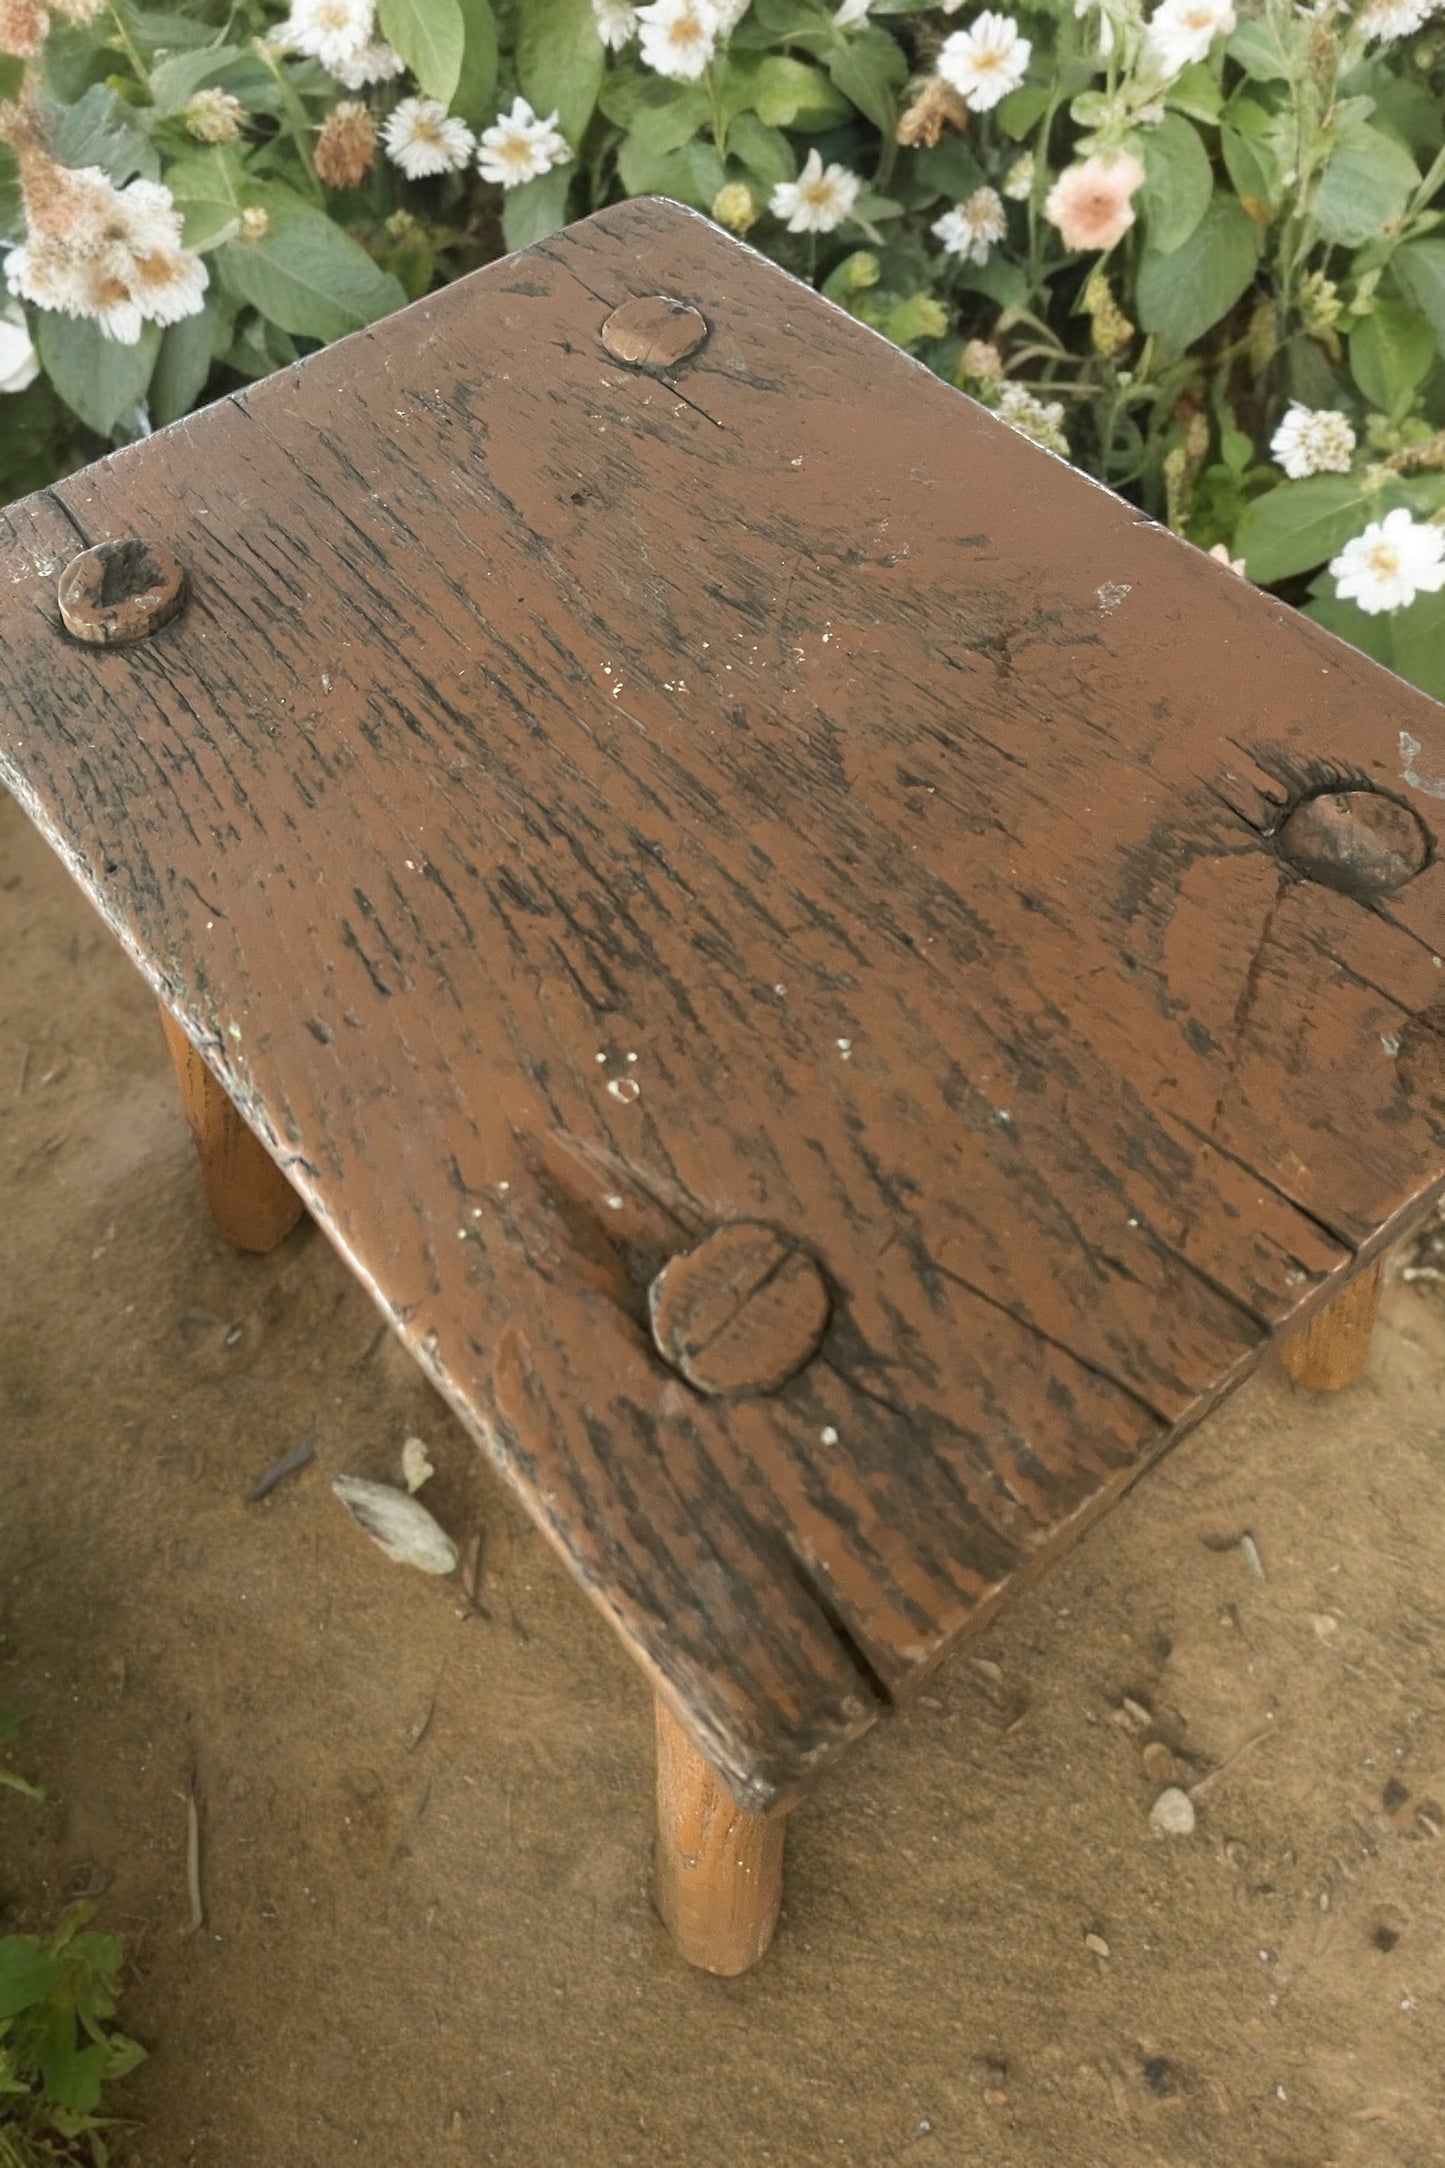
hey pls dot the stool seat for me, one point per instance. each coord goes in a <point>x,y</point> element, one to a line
<point>837,984</point>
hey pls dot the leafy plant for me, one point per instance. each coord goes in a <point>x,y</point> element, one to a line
<point>58,2047</point>
<point>1198,249</point>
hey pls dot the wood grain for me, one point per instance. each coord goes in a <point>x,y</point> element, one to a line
<point>1330,1352</point>
<point>581,807</point>
<point>719,1871</point>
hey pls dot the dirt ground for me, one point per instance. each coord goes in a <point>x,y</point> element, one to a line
<point>425,1831</point>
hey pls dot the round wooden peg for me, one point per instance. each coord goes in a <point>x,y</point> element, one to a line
<point>119,592</point>
<point>653,332</point>
<point>1357,841</point>
<point>742,1313</point>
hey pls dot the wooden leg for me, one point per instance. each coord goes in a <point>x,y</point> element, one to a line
<point>1330,1352</point>
<point>719,1870</point>
<point>251,1200</point>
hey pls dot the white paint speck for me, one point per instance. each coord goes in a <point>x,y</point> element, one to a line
<point>780,989</point>
<point>1112,593</point>
<point>614,1204</point>
<point>828,1435</point>
<point>625,1088</point>
<point>1003,1114</point>
<point>599,1057</point>
<point>1424,774</point>
<point>632,1057</point>
<point>504,1187</point>
<point>1390,1043</point>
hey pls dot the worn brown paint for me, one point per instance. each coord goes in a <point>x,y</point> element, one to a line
<point>119,592</point>
<point>1330,1352</point>
<point>906,804</point>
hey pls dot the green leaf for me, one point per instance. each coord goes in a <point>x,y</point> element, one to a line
<point>1178,183</point>
<point>1403,106</point>
<point>431,38</point>
<point>174,82</point>
<point>1301,524</point>
<point>1181,295</point>
<point>28,1974</point>
<point>72,2074</point>
<point>210,188</point>
<point>98,131</point>
<point>1197,93</point>
<point>182,366</point>
<point>1419,268</point>
<point>692,174</point>
<point>1267,47</point>
<point>870,68</point>
<point>475,98</point>
<point>1411,642</point>
<point>560,62</point>
<point>537,208</point>
<point>766,152</point>
<point>309,277</point>
<point>784,93</point>
<point>1392,351</point>
<point>659,129</point>
<point>12,75</point>
<point>950,169</point>
<point>1365,186</point>
<point>1004,282</point>
<point>1251,144</point>
<point>1021,111</point>
<point>100,380</point>
<point>157,31</point>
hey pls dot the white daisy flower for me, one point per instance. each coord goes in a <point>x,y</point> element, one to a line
<point>169,284</point>
<point>1221,556</point>
<point>519,147</point>
<point>423,138</point>
<point>375,63</point>
<point>1313,440</point>
<point>149,219</point>
<point>819,199</point>
<point>1394,18</point>
<point>19,362</point>
<point>43,272</point>
<point>1393,561</point>
<point>334,32</point>
<point>1182,31</point>
<point>971,229</point>
<point>986,61</point>
<point>679,37</point>
<point>616,22</point>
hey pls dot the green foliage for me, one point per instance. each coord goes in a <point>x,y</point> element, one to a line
<point>59,2048</point>
<point>1286,243</point>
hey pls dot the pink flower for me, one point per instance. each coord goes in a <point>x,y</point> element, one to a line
<point>1090,204</point>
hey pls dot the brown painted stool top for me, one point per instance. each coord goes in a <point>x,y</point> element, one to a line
<point>646,781</point>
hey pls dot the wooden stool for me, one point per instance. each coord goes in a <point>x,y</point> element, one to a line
<point>838,986</point>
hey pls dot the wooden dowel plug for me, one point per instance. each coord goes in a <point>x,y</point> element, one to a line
<point>251,1201</point>
<point>1329,1353</point>
<point>719,1870</point>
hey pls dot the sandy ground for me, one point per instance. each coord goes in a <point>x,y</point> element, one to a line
<point>425,1831</point>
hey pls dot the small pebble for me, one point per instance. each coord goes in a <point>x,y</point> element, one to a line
<point>1097,1944</point>
<point>1158,1762</point>
<point>416,1464</point>
<point>1172,1814</point>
